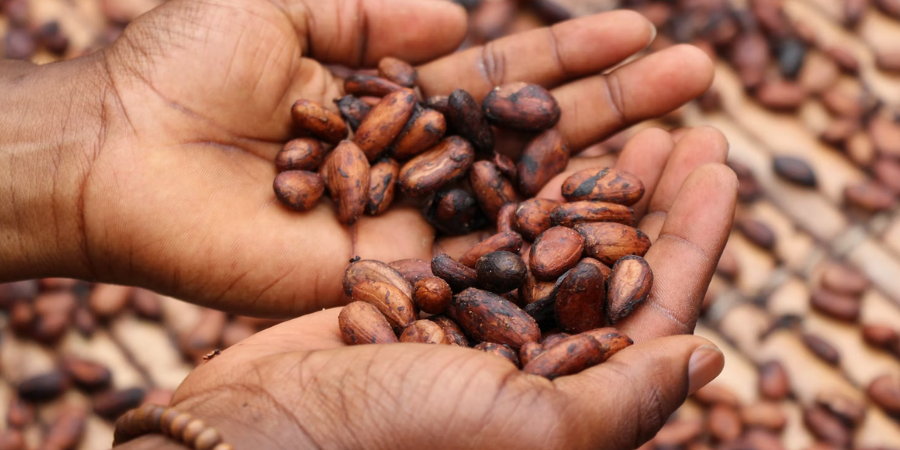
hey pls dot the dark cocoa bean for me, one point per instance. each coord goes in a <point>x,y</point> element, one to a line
<point>487,317</point>
<point>423,130</point>
<point>369,85</point>
<point>458,276</point>
<point>500,272</point>
<point>502,241</point>
<point>849,410</point>
<point>885,392</point>
<point>353,110</point>
<point>84,321</point>
<point>368,269</point>
<point>298,189</point>
<point>432,295</point>
<point>300,154</point>
<point>491,188</point>
<point>431,170</point>
<point>571,214</point>
<point>544,157</point>
<point>439,103</point>
<point>382,183</point>
<point>383,124</point>
<point>845,280</point>
<point>453,335</point>
<point>87,375</point>
<point>768,415</point>
<point>506,218</point>
<point>362,323</point>
<point>881,336</point>
<point>466,119</point>
<point>539,297</point>
<point>501,350</point>
<point>521,106</point>
<point>581,299</point>
<point>423,332</point>
<point>748,187</point>
<point>839,306</point>
<point>578,353</point>
<point>146,304</point>
<point>44,387</point>
<point>112,404</point>
<point>757,232</point>
<point>454,212</point>
<point>750,55</point>
<point>322,123</point>
<point>396,306</point>
<point>773,381</point>
<point>533,217</point>
<point>795,170</point>
<point>555,251</point>
<point>397,71</point>
<point>348,181</point>
<point>821,348</point>
<point>608,242</point>
<point>413,269</point>
<point>67,429</point>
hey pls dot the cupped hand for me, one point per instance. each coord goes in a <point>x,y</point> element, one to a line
<point>178,198</point>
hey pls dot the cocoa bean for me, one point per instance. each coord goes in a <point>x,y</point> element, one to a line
<point>769,14</point>
<point>439,103</point>
<point>838,306</point>
<point>677,433</point>
<point>607,242</point>
<point>727,266</point>
<point>710,101</point>
<point>885,134</point>
<point>506,166</point>
<point>500,272</point>
<point>107,300</point>
<point>300,154</point>
<point>325,168</point>
<point>362,323</point>
<point>112,404</point>
<point>49,328</point>
<point>298,189</point>
<point>854,10</point>
<point>423,332</point>
<point>781,95</point>
<point>87,375</point>
<point>529,351</point>
<point>466,119</point>
<point>881,336</point>
<point>848,410</point>
<point>10,293</point>
<point>491,19</point>
<point>44,387</point>
<point>757,232</point>
<point>521,106</point>
<point>320,122</point>
<point>506,218</point>
<point>454,212</point>
<point>453,335</point>
<point>889,7</point>
<point>382,125</point>
<point>369,85</point>
<point>397,71</point>
<point>826,426</point>
<point>629,285</point>
<point>501,350</point>
<point>458,276</point>
<point>394,304</point>
<point>860,149</point>
<point>724,423</point>
<point>581,299</point>
<point>544,157</point>
<point>539,297</point>
<point>382,181</point>
<point>555,251</point>
<point>533,217</point>
<point>748,187</point>
<point>413,270</point>
<point>67,429</point>
<point>353,110</point>
<point>773,381</point>
<point>768,415</point>
<point>428,172</point>
<point>821,348</point>
<point>843,279</point>
<point>791,57</point>
<point>22,317</point>
<point>839,131</point>
<point>146,304</point>
<point>348,181</point>
<point>844,59</point>
<point>578,353</point>
<point>503,241</point>
<point>551,339</point>
<point>432,295</point>
<point>795,170</point>
<point>368,269</point>
<point>571,214</point>
<point>885,392</point>
<point>19,43</point>
<point>759,439</point>
<point>488,317</point>
<point>84,321</point>
<point>750,55</point>
<point>423,130</point>
<point>235,332</point>
<point>716,394</point>
<point>491,188</point>
<point>887,171</point>
<point>11,439</point>
<point>870,196</point>
<point>19,414</point>
<point>887,59</point>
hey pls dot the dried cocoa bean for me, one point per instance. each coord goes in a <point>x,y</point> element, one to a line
<point>715,394</point>
<point>839,306</point>
<point>112,404</point>
<point>362,323</point>
<point>394,304</point>
<point>578,353</point>
<point>791,57</point>
<point>491,188</point>
<point>458,276</point>
<point>826,426</point>
<point>107,300</point>
<point>881,336</point>
<point>768,415</point>
<point>529,351</point>
<point>608,242</point>
<point>500,272</point>
<point>382,125</point>
<point>533,217</point>
<point>300,154</point>
<point>581,299</point>
<point>887,171</point>
<point>382,181</point>
<point>353,110</point>
<point>423,130</point>
<point>432,295</point>
<point>885,392</point>
<point>466,119</point>
<point>551,339</point>
<point>821,348</point>
<point>885,134</point>
<point>299,190</point>
<point>521,106</point>
<point>571,214</point>
<point>369,85</point>
<point>849,410</point>
<point>727,266</point>
<point>49,328</point>
<point>67,429</point>
<point>544,157</point>
<point>773,381</point>
<point>348,181</point>
<point>325,168</point>
<point>84,321</point>
<point>555,251</point>
<point>750,55</point>
<point>724,423</point>
<point>444,163</point>
<point>844,59</point>
<point>487,317</point>
<point>845,280</point>
<point>506,166</point>
<point>423,332</point>
<point>146,304</point>
<point>322,123</point>
<point>795,170</point>
<point>870,196</point>
<point>781,95</point>
<point>368,269</point>
<point>757,232</point>
<point>21,317</point>
<point>502,241</point>
<point>603,184</point>
<point>453,335</point>
<point>413,269</point>
<point>629,285</point>
<point>501,350</point>
<point>454,212</point>
<point>43,387</point>
<point>397,71</point>
<point>506,218</point>
<point>87,375</point>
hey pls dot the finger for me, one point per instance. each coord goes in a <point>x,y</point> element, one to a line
<point>699,146</point>
<point>546,56</point>
<point>623,402</point>
<point>361,32</point>
<point>684,256</point>
<point>456,246</point>
<point>645,156</point>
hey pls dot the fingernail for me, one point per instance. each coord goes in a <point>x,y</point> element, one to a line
<point>652,34</point>
<point>705,364</point>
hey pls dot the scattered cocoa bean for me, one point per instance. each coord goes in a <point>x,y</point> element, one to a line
<point>423,130</point>
<point>432,295</point>
<point>571,214</point>
<point>821,348</point>
<point>369,85</point>
<point>781,95</point>
<point>44,387</point>
<point>368,269</point>
<point>447,161</point>
<point>500,271</point>
<point>397,71</point>
<point>773,381</point>
<point>362,323</point>
<point>67,429</point>
<point>353,110</point>
<point>501,350</point>
<point>22,317</point>
<point>881,336</point>
<point>413,270</point>
<point>768,415</point>
<point>870,196</point>
<point>322,123</point>
<point>750,55</point>
<point>506,218</point>
<point>715,394</point>
<point>87,375</point>
<point>298,189</point>
<point>578,353</point>
<point>533,217</point>
<point>487,317</point>
<point>629,285</point>
<point>300,154</point>
<point>844,58</point>
<point>555,251</point>
<point>84,321</point>
<point>581,299</point>
<point>544,157</point>
<point>724,422</point>
<point>394,304</point>
<point>146,304</point>
<point>465,117</point>
<point>885,392</point>
<point>453,211</point>
<point>887,171</point>
<point>382,180</point>
<point>757,232</point>
<point>843,279</point>
<point>112,404</point>
<point>826,426</point>
<point>885,134</point>
<point>491,188</point>
<point>453,335</point>
<point>759,439</point>
<point>348,181</point>
<point>608,242</point>
<point>382,125</point>
<point>849,410</point>
<point>838,306</point>
<point>502,241</point>
<point>529,351</point>
<point>19,43</point>
<point>521,106</point>
<point>423,332</point>
<point>795,170</point>
<point>458,276</point>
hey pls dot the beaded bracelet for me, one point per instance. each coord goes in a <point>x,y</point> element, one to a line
<point>182,427</point>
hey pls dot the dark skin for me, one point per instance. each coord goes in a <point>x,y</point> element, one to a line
<point>150,163</point>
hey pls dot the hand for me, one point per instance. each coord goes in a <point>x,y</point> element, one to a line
<point>175,194</point>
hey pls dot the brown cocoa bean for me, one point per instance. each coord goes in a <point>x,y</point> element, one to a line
<point>17,290</point>
<point>353,110</point>
<point>394,304</point>
<point>724,423</point>
<point>146,304</point>
<point>870,196</point>
<point>750,55</point>
<point>529,351</point>
<point>44,387</point>
<point>413,270</point>
<point>826,426</point>
<point>206,335</point>
<point>439,103</point>
<point>555,251</point>
<point>773,381</point>
<point>506,218</point>
<point>466,119</point>
<point>320,122</point>
<point>849,410</point>
<point>67,429</point>
<point>860,149</point>
<point>836,305</point>
<point>544,157</point>
<point>501,350</point>
<point>854,10</point>
<point>843,279</point>
<point>553,338</point>
<point>500,272</point>
<point>458,276</point>
<point>423,130</point>
<point>821,348</point>
<point>491,188</point>
<point>506,166</point>
<point>11,439</point>
<point>887,171</point>
<point>881,336</point>
<point>112,404</point>
<point>432,295</point>
<point>22,317</point>
<point>768,415</point>
<point>715,394</point>
<point>846,101</point>
<point>300,154</point>
<point>571,214</point>
<point>397,71</point>
<point>454,212</point>
<point>49,328</point>
<point>87,375</point>
<point>604,269</point>
<point>19,414</point>
<point>578,353</point>
<point>608,242</point>
<point>382,181</point>
<point>444,163</point>
<point>348,181</point>
<point>487,317</point>
<point>369,85</point>
<point>423,332</point>
<point>844,58</point>
<point>107,300</point>
<point>503,241</point>
<point>325,168</point>
<point>453,335</point>
<point>781,95</point>
<point>795,170</point>
<point>84,321</point>
<point>629,285</point>
<point>727,266</point>
<point>885,134</point>
<point>677,433</point>
<point>368,269</point>
<point>298,190</point>
<point>521,106</point>
<point>581,299</point>
<point>235,332</point>
<point>748,187</point>
<point>533,217</point>
<point>885,392</point>
<point>382,125</point>
<point>757,232</point>
<point>362,323</point>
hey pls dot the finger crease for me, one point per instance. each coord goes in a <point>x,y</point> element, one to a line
<point>554,45</point>
<point>363,24</point>
<point>665,312</point>
<point>686,242</point>
<point>616,97</point>
<point>492,65</point>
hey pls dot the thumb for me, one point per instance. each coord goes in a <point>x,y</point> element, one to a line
<point>627,399</point>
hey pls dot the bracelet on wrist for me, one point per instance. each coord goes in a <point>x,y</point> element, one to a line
<point>182,427</point>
